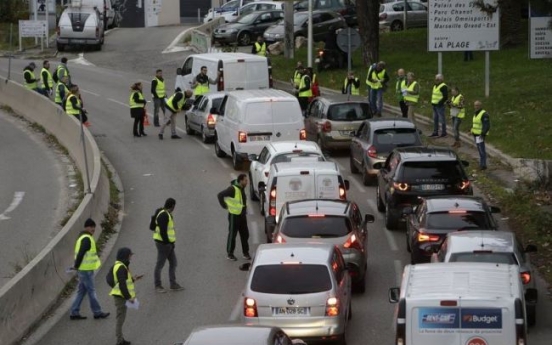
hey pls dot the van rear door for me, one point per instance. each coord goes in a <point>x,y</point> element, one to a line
<point>242,74</point>
<point>287,120</point>
<point>487,322</point>
<point>294,187</point>
<point>327,186</point>
<point>433,324</point>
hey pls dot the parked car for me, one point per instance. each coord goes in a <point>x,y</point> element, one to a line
<point>323,21</point>
<point>237,335</point>
<point>80,26</point>
<point>253,7</point>
<point>337,222</point>
<point>303,288</point>
<point>375,139</point>
<point>246,29</point>
<point>428,224</point>
<point>229,7</point>
<point>333,121</point>
<point>201,118</point>
<point>413,172</point>
<point>392,15</point>
<point>500,247</point>
<point>347,8</point>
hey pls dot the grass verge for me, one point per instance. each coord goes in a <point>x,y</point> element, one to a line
<point>518,102</point>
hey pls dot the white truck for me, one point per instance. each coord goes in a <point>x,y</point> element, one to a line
<point>460,304</point>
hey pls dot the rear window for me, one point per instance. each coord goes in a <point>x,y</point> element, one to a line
<point>499,258</point>
<point>286,112</point>
<point>316,227</point>
<point>288,157</point>
<point>458,221</point>
<point>79,17</point>
<point>386,140</point>
<point>217,102</point>
<point>258,114</point>
<point>348,112</point>
<point>291,279</point>
<point>425,171</point>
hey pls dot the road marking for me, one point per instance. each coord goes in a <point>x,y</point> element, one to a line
<point>391,240</point>
<point>398,272</point>
<point>90,92</point>
<point>221,162</point>
<point>120,103</point>
<point>255,238</point>
<point>234,316</point>
<point>374,209</point>
<point>17,198</point>
<point>202,144</point>
<point>356,183</point>
<point>81,60</point>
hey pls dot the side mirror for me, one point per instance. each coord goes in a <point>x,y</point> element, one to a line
<point>407,210</point>
<point>214,111</point>
<point>261,187</point>
<point>369,218</point>
<point>253,157</point>
<point>378,166</point>
<point>495,209</point>
<point>394,295</point>
<point>245,267</point>
<point>531,248</point>
<point>465,163</point>
<point>347,185</point>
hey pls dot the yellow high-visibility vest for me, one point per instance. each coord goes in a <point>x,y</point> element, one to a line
<point>235,205</point>
<point>116,291</point>
<point>69,109</point>
<point>160,88</point>
<point>409,97</point>
<point>260,48</point>
<point>57,98</point>
<point>297,78</point>
<point>302,84</point>
<point>455,100</point>
<point>49,78</point>
<point>91,261</point>
<point>477,125</point>
<point>437,96</point>
<point>354,89</point>
<point>33,85</point>
<point>171,234</point>
<point>131,101</point>
<point>379,76</point>
<point>180,103</point>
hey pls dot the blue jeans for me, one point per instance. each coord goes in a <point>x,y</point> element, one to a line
<point>439,116</point>
<point>86,286</point>
<point>482,154</point>
<point>375,98</point>
<point>456,127</point>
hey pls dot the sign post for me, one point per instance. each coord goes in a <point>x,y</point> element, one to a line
<point>32,28</point>
<point>348,40</point>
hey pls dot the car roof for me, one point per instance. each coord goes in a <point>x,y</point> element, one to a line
<point>267,11</point>
<point>466,241</point>
<point>289,146</point>
<point>379,123</point>
<point>268,95</point>
<point>228,56</point>
<point>305,253</point>
<point>213,95</point>
<point>81,9</point>
<point>339,99</point>
<point>317,206</point>
<point>447,203</point>
<point>230,335</point>
<point>291,166</point>
<point>424,153</point>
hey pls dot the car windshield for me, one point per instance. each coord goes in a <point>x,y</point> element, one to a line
<point>216,102</point>
<point>248,18</point>
<point>291,279</point>
<point>230,4</point>
<point>385,140</point>
<point>470,220</point>
<point>300,18</point>
<point>316,227</point>
<point>348,112</point>
<point>490,257</point>
<point>288,157</point>
<point>423,171</point>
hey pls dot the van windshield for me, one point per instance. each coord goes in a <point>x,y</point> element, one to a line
<point>291,279</point>
<point>316,227</point>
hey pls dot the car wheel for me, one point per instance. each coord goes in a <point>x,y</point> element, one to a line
<point>366,178</point>
<point>396,26</point>
<point>218,151</point>
<point>390,220</point>
<point>236,162</point>
<point>189,130</point>
<point>244,38</point>
<point>262,204</point>
<point>354,169</point>
<point>380,204</point>
<point>531,315</point>
<point>204,138</point>
<point>252,194</point>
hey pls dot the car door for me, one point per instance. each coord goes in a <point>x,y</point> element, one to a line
<point>356,144</point>
<point>195,118</point>
<point>258,166</point>
<point>262,22</point>
<point>359,225</point>
<point>222,126</point>
<point>413,221</point>
<point>417,15</point>
<point>318,31</point>
<point>187,72</point>
<point>343,282</point>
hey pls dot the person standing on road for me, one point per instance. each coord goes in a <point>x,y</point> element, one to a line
<point>86,262</point>
<point>439,98</point>
<point>480,129</point>
<point>62,91</point>
<point>377,79</point>
<point>159,94</point>
<point>304,91</point>
<point>234,200</point>
<point>122,283</point>
<point>411,95</point>
<point>46,77</point>
<point>137,109</point>
<point>63,71</point>
<point>176,103</point>
<point>457,112</point>
<point>164,237</point>
<point>351,85</point>
<point>73,105</point>
<point>201,83</point>
<point>259,48</point>
<point>400,87</point>
<point>297,74</point>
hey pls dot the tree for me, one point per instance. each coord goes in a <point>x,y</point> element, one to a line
<point>13,10</point>
<point>368,25</point>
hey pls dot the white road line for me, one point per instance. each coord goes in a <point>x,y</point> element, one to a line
<point>254,232</point>
<point>356,183</point>
<point>374,209</point>
<point>120,103</point>
<point>221,161</point>
<point>391,240</point>
<point>202,144</point>
<point>17,198</point>
<point>234,316</point>
<point>90,92</point>
<point>398,272</point>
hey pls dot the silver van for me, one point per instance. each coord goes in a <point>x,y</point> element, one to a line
<point>80,26</point>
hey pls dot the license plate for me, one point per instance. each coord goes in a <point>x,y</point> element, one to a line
<point>347,133</point>
<point>317,60</point>
<point>78,41</point>
<point>259,137</point>
<point>433,186</point>
<point>299,311</point>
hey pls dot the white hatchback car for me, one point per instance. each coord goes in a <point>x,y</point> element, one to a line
<point>305,289</point>
<point>278,152</point>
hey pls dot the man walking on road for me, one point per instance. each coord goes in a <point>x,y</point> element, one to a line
<point>480,129</point>
<point>234,200</point>
<point>439,98</point>
<point>175,104</point>
<point>86,262</point>
<point>158,93</point>
<point>164,237</point>
<point>400,88</point>
<point>376,80</point>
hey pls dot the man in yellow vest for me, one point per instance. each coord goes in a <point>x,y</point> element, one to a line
<point>201,83</point>
<point>297,75</point>
<point>122,283</point>
<point>63,71</point>
<point>164,237</point>
<point>259,47</point>
<point>411,96</point>
<point>400,87</point>
<point>62,91</point>
<point>86,262</point>
<point>234,200</point>
<point>73,105</point>
<point>304,91</point>
<point>46,77</point>
<point>376,80</point>
<point>30,80</point>
<point>159,93</point>
<point>457,112</point>
<point>351,85</point>
<point>175,104</point>
<point>439,98</point>
<point>480,129</point>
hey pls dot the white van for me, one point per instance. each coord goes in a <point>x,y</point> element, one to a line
<point>302,178</point>
<point>248,119</point>
<point>106,10</point>
<point>460,303</point>
<point>239,71</point>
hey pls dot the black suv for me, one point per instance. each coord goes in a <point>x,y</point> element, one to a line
<point>412,172</point>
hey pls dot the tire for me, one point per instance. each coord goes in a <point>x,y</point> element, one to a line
<point>252,194</point>
<point>236,162</point>
<point>397,25</point>
<point>391,223</point>
<point>244,38</point>
<point>352,166</point>
<point>189,130</point>
<point>531,315</point>
<point>380,204</point>
<point>218,151</point>
<point>204,138</point>
<point>366,178</point>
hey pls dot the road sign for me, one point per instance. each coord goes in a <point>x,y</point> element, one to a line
<point>343,40</point>
<point>33,28</point>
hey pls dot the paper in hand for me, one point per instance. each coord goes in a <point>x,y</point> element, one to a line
<point>132,305</point>
<point>479,139</point>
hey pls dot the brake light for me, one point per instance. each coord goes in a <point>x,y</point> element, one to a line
<point>371,152</point>
<point>457,211</point>
<point>280,239</point>
<point>332,307</point>
<point>464,185</point>
<point>272,202</point>
<point>220,85</point>
<point>250,308</point>
<point>401,186</point>
<point>526,278</point>
<point>353,243</point>
<point>427,238</point>
<point>449,303</point>
<point>303,134</point>
<point>211,121</point>
<point>342,193</point>
<point>383,16</point>
<point>242,137</point>
<point>327,127</point>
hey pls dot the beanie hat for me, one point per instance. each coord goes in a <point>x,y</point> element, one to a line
<point>89,223</point>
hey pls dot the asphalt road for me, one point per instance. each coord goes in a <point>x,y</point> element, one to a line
<point>33,194</point>
<point>187,170</point>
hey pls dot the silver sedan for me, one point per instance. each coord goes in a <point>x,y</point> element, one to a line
<point>200,118</point>
<point>391,15</point>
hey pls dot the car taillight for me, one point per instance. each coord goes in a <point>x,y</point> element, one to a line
<point>250,307</point>
<point>401,186</point>
<point>371,152</point>
<point>332,307</point>
<point>242,137</point>
<point>211,121</point>
<point>526,277</point>
<point>353,243</point>
<point>383,16</point>
<point>327,127</point>
<point>427,238</point>
<point>220,85</point>
<point>280,239</point>
<point>342,193</point>
<point>272,202</point>
<point>464,185</point>
<point>303,134</point>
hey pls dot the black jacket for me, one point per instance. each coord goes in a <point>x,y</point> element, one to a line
<point>154,87</point>
<point>84,247</point>
<point>123,255</point>
<point>28,77</point>
<point>230,192</point>
<point>163,224</point>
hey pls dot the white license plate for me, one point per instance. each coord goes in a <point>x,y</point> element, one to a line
<point>78,41</point>
<point>299,311</point>
<point>433,186</point>
<point>259,137</point>
<point>316,60</point>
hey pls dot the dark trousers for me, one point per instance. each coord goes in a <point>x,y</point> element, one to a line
<point>83,117</point>
<point>303,103</point>
<point>158,103</point>
<point>165,252</point>
<point>138,115</point>
<point>404,109</point>
<point>121,309</point>
<point>237,224</point>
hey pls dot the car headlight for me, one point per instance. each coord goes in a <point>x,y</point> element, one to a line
<point>231,31</point>
<point>277,35</point>
<point>268,35</point>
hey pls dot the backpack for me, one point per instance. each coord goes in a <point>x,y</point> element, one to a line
<point>153,220</point>
<point>109,277</point>
<point>55,76</point>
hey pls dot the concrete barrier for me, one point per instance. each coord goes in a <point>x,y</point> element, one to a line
<point>200,37</point>
<point>25,298</point>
